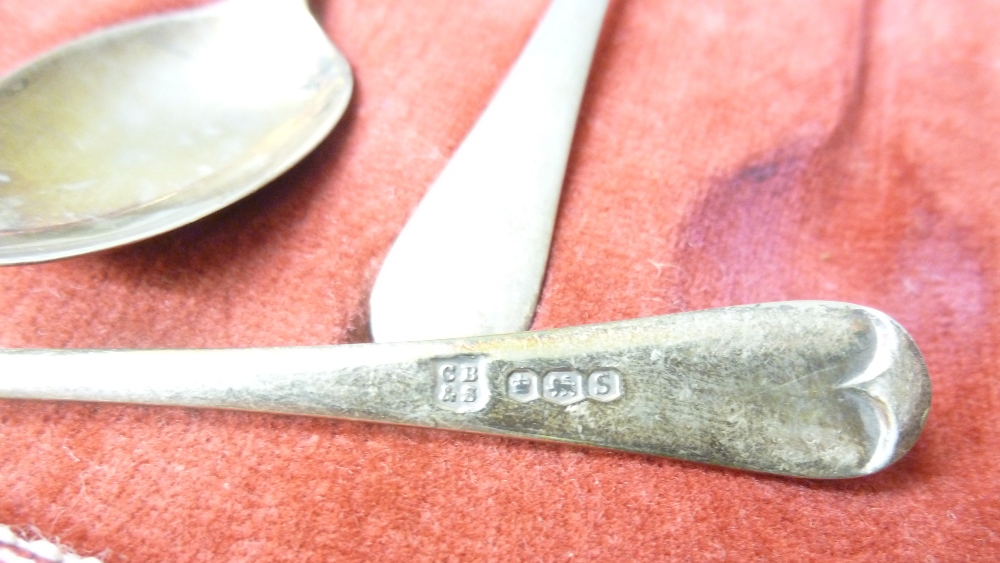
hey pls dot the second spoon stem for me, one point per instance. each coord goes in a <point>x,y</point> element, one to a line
<point>471,259</point>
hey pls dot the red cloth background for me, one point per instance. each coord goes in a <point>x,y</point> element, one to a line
<point>730,151</point>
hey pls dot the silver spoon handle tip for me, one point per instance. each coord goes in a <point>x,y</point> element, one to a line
<point>812,389</point>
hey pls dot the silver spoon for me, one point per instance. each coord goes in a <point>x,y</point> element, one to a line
<point>471,258</point>
<point>147,126</point>
<point>812,389</point>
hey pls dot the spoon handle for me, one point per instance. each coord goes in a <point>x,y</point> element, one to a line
<point>471,258</point>
<point>812,389</point>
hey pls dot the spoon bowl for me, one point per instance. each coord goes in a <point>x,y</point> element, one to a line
<point>144,127</point>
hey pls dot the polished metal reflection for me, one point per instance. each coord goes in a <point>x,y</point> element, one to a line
<point>144,127</point>
<point>811,389</point>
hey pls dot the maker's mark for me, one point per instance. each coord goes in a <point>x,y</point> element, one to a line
<point>460,383</point>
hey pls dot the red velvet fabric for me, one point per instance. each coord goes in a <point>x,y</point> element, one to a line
<point>729,151</point>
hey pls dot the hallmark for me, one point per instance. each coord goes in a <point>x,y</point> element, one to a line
<point>522,385</point>
<point>564,386</point>
<point>460,383</point>
<point>604,385</point>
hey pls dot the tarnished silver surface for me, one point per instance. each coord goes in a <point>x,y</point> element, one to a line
<point>812,389</point>
<point>495,202</point>
<point>147,126</point>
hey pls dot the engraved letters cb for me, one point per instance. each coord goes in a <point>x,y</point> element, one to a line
<point>460,383</point>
